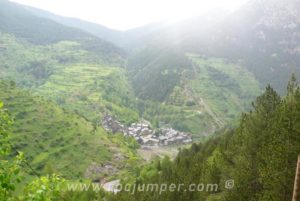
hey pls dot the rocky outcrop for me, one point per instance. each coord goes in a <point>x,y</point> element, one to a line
<point>100,169</point>
<point>111,124</point>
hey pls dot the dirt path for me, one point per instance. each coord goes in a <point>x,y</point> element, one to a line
<point>200,101</point>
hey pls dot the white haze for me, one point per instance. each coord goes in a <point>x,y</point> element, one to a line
<point>126,14</point>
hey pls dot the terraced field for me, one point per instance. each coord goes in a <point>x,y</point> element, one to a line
<point>91,91</point>
<point>57,140</point>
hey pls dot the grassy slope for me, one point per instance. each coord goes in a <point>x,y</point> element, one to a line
<point>62,134</point>
<point>210,95</point>
<point>226,87</point>
<point>61,141</point>
<point>91,90</point>
<point>51,135</point>
<point>69,75</point>
<point>30,65</point>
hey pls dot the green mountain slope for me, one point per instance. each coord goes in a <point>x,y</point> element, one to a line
<point>221,85</point>
<point>83,82</point>
<point>76,66</point>
<point>91,91</point>
<point>30,65</point>
<point>203,89</point>
<point>159,74</point>
<point>57,140</point>
<point>64,70</point>
<point>155,72</point>
<point>72,80</point>
<point>173,87</point>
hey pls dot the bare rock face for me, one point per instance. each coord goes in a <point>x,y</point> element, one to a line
<point>279,14</point>
<point>111,124</point>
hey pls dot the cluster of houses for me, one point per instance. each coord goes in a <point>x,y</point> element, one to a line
<point>144,135</point>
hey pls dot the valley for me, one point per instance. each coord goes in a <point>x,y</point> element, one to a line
<point>186,95</point>
<point>179,103</point>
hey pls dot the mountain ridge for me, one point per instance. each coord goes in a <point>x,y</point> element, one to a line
<point>17,20</point>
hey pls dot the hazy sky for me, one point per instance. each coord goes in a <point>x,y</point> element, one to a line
<point>126,14</point>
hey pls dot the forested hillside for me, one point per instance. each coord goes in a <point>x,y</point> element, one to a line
<point>211,91</point>
<point>260,155</point>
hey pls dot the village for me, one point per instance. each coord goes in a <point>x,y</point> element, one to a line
<point>144,135</point>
